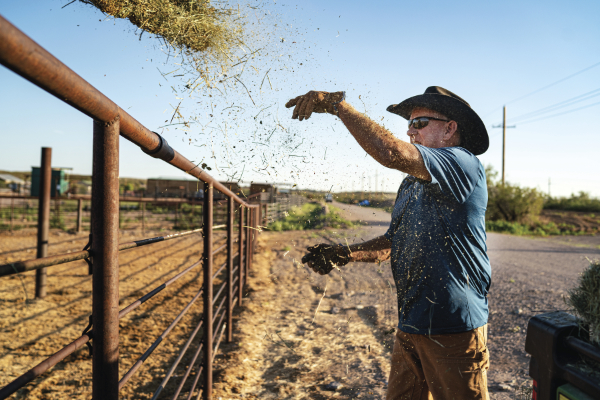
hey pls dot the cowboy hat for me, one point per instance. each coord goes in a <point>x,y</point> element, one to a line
<point>474,136</point>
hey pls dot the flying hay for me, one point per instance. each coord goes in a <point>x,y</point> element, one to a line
<point>193,26</point>
<point>586,300</point>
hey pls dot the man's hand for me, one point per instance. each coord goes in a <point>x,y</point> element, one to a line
<point>313,101</point>
<point>322,258</point>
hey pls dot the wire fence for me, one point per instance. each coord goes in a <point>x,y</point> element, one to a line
<point>73,214</point>
<point>220,288</point>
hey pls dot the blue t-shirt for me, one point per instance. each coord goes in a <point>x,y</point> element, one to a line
<point>439,255</point>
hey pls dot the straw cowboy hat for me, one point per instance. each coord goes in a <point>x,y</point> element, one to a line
<point>474,136</point>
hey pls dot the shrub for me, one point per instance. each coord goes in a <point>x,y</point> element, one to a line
<point>309,216</point>
<point>511,202</point>
<point>585,299</point>
<point>577,202</point>
<point>532,228</point>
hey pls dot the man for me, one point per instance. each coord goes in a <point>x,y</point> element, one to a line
<point>436,240</point>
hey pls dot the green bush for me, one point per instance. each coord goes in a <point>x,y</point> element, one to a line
<point>309,216</point>
<point>511,202</point>
<point>585,299</point>
<point>57,221</point>
<point>532,228</point>
<point>577,202</point>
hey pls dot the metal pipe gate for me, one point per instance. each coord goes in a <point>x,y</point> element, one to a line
<point>26,58</point>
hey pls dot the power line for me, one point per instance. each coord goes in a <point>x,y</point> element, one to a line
<point>554,83</point>
<point>562,113</point>
<point>544,88</point>
<point>562,104</point>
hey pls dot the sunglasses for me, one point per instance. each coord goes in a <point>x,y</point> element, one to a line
<point>422,122</point>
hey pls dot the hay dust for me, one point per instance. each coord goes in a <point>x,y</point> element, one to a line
<point>225,101</point>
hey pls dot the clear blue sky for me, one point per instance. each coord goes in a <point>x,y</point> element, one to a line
<point>489,53</point>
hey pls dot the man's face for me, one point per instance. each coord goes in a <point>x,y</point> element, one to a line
<point>433,134</point>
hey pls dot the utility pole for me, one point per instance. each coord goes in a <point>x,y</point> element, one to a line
<point>376,181</point>
<point>549,183</point>
<point>503,126</point>
<point>503,141</point>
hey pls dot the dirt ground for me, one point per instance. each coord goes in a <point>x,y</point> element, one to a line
<point>31,330</point>
<point>584,221</point>
<point>300,338</point>
<point>297,333</point>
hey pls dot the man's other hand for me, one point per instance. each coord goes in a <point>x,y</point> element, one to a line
<point>314,101</point>
<point>322,258</point>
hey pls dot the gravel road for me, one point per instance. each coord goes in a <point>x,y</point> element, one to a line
<point>303,331</point>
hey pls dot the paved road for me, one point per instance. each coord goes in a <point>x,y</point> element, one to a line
<point>529,276</point>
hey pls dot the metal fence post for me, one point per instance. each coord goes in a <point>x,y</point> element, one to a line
<point>143,206</point>
<point>230,214</point>
<point>79,215</point>
<point>43,219</point>
<point>105,252</point>
<point>241,257</point>
<point>12,209</point>
<point>251,218</point>
<point>208,289</point>
<point>255,222</point>
<point>247,244</point>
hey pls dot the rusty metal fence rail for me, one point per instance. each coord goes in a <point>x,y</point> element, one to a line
<point>74,213</point>
<point>26,58</point>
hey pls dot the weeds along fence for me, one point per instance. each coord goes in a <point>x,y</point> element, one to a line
<point>73,213</point>
<point>26,58</point>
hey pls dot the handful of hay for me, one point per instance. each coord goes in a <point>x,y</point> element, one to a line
<point>586,300</point>
<point>188,25</point>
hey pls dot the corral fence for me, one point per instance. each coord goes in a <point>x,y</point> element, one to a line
<point>73,213</point>
<point>26,58</point>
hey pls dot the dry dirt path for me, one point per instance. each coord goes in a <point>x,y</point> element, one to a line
<point>31,330</point>
<point>298,337</point>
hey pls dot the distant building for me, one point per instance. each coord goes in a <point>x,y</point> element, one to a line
<point>12,182</point>
<point>233,186</point>
<point>59,181</point>
<point>267,191</point>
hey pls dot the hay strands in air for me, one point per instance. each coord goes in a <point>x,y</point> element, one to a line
<point>193,26</point>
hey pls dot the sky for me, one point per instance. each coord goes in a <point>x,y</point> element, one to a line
<point>381,52</point>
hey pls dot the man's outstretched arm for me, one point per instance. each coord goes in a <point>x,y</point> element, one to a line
<point>374,250</point>
<point>377,141</point>
<point>323,257</point>
<point>381,144</point>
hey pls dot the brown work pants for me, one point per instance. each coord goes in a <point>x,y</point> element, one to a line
<point>440,367</point>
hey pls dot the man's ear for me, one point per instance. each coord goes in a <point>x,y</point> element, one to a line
<point>451,129</point>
